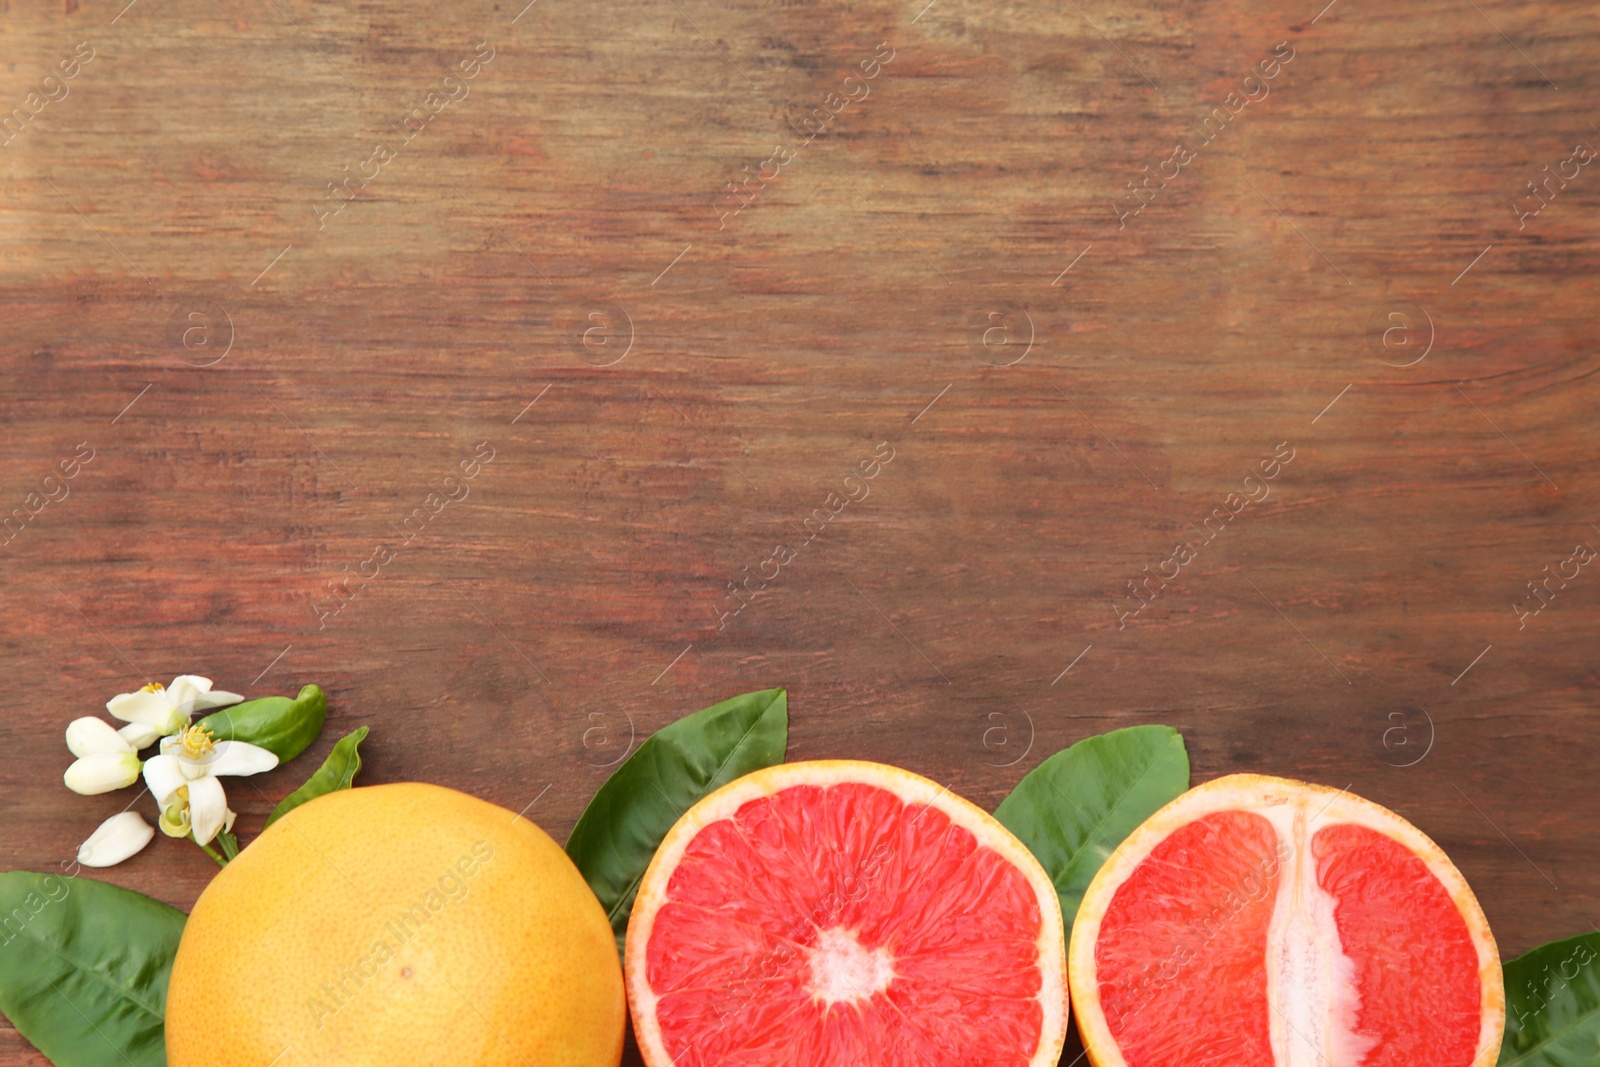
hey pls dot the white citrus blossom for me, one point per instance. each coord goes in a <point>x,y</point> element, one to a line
<point>115,840</point>
<point>166,710</point>
<point>183,779</point>
<point>106,760</point>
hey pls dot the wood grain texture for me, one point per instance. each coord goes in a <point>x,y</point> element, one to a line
<point>578,587</point>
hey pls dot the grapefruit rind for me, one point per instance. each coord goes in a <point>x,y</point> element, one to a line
<point>446,930</point>
<point>1313,807</point>
<point>910,789</point>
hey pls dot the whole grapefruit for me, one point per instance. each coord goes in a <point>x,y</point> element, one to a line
<point>393,925</point>
<point>839,913</point>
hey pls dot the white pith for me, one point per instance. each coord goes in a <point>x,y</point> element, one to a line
<point>910,789</point>
<point>1310,982</point>
<point>843,970</point>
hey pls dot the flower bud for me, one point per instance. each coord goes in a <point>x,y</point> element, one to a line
<point>90,736</point>
<point>102,773</point>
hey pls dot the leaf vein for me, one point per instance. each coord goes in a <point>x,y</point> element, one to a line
<point>89,971</point>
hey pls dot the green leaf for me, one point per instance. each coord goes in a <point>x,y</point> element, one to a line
<point>336,772</point>
<point>1079,804</point>
<point>284,726</point>
<point>84,968</point>
<point>619,831</point>
<point>1553,1005</point>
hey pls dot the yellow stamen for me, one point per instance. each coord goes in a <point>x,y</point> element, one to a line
<point>195,742</point>
<point>152,687</point>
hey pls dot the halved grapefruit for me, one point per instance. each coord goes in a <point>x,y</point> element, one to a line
<point>1262,922</point>
<point>841,912</point>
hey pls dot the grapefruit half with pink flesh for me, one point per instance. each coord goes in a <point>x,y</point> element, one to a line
<point>842,912</point>
<point>1262,922</point>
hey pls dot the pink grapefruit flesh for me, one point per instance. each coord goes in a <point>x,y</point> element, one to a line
<point>1260,922</point>
<point>841,912</point>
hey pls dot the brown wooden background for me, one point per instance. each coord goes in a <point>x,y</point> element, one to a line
<point>508,647</point>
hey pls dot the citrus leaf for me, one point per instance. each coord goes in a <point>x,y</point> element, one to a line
<point>284,726</point>
<point>84,968</point>
<point>1553,1005</point>
<point>1079,804</point>
<point>337,772</point>
<point>619,831</point>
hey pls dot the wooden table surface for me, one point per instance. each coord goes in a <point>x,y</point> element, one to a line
<point>989,259</point>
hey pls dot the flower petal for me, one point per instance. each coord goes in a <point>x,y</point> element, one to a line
<point>139,735</point>
<point>191,693</point>
<point>217,698</point>
<point>163,775</point>
<point>103,773</point>
<point>242,758</point>
<point>185,687</point>
<point>148,709</point>
<point>115,840</point>
<point>90,736</point>
<point>208,808</point>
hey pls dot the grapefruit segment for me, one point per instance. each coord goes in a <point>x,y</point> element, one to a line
<point>1261,922</point>
<point>843,912</point>
<point>1408,944</point>
<point>1181,915</point>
